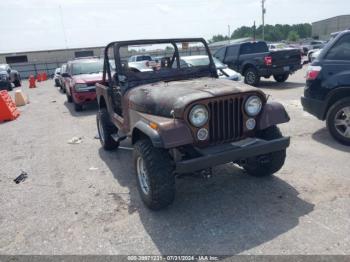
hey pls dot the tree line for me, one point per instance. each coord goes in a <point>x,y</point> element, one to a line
<point>273,33</point>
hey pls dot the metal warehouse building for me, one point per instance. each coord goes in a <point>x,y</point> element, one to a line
<point>322,29</point>
<point>37,61</point>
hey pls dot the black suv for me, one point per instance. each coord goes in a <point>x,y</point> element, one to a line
<point>254,60</point>
<point>327,91</point>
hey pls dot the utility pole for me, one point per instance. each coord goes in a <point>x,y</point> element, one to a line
<point>254,31</point>
<point>229,33</point>
<point>263,11</point>
<point>63,28</point>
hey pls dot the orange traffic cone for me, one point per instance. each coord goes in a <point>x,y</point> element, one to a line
<point>8,109</point>
<point>44,76</point>
<point>31,80</point>
<point>38,77</point>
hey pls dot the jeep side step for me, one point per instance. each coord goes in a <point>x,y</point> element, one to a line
<point>118,138</point>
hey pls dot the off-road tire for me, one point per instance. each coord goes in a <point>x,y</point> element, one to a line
<point>78,107</point>
<point>266,165</point>
<point>251,76</point>
<point>160,172</point>
<point>281,78</point>
<point>331,117</point>
<point>107,142</point>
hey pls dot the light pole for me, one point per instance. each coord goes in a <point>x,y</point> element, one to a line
<point>229,33</point>
<point>263,11</point>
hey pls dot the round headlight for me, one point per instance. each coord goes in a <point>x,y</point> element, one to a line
<point>198,115</point>
<point>253,105</point>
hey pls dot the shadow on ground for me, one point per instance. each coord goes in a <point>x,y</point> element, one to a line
<point>280,86</point>
<point>323,136</point>
<point>88,109</point>
<point>227,214</point>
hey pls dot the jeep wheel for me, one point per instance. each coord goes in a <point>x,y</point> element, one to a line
<point>338,121</point>
<point>105,130</point>
<point>266,165</point>
<point>154,174</point>
<point>281,78</point>
<point>251,77</point>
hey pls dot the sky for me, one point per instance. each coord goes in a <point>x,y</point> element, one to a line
<point>28,25</point>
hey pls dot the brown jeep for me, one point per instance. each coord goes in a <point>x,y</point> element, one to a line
<point>182,118</point>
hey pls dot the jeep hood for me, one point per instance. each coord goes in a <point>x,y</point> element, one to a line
<point>163,97</point>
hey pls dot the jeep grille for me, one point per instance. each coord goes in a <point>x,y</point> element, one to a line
<point>225,123</point>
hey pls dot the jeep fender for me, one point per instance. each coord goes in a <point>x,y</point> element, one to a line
<point>142,128</point>
<point>273,113</point>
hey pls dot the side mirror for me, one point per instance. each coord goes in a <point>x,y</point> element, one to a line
<point>65,75</point>
<point>8,70</point>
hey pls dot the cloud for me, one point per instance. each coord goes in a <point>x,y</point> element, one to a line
<point>164,8</point>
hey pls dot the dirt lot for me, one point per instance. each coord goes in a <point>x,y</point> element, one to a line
<point>79,199</point>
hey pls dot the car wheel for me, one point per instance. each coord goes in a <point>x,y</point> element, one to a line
<point>17,82</point>
<point>338,121</point>
<point>281,78</point>
<point>251,77</point>
<point>9,86</point>
<point>78,107</point>
<point>266,165</point>
<point>69,98</point>
<point>154,174</point>
<point>105,130</point>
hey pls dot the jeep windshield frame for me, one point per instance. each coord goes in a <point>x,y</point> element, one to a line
<point>126,80</point>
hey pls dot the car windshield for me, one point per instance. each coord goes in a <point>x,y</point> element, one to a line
<point>2,67</point>
<point>87,67</point>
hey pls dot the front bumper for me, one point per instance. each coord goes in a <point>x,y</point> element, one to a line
<point>4,84</point>
<point>314,106</point>
<point>84,97</point>
<point>231,152</point>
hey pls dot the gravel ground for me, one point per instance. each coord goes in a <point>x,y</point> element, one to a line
<point>79,199</point>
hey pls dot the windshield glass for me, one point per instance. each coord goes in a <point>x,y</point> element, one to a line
<point>87,67</point>
<point>2,67</point>
<point>169,64</point>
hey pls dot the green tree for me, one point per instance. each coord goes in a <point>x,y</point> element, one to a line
<point>293,36</point>
<point>273,33</point>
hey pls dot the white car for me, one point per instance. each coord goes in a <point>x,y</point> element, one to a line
<point>56,76</point>
<point>222,69</point>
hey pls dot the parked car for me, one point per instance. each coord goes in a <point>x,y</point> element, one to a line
<point>254,60</point>
<point>327,91</point>
<point>182,120</point>
<point>81,76</point>
<point>141,63</point>
<point>313,54</point>
<point>9,76</point>
<point>311,45</point>
<point>56,76</point>
<point>222,70</point>
<point>279,46</point>
<point>61,79</point>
